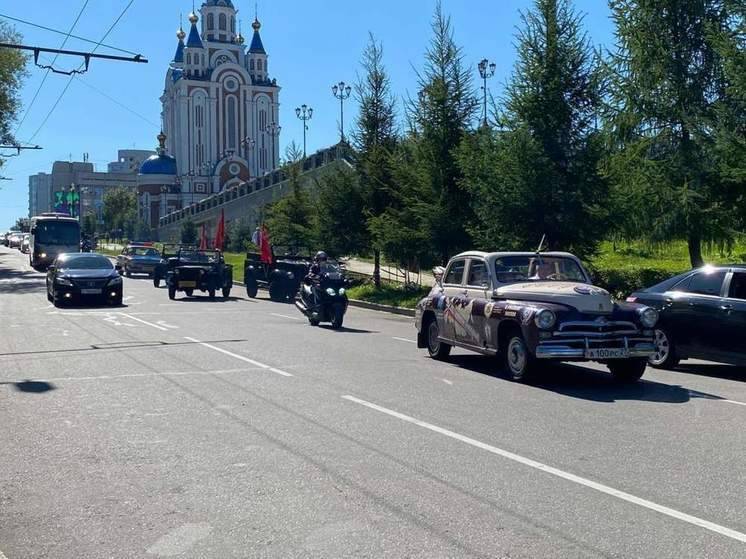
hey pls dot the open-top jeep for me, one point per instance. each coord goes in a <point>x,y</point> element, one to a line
<point>533,307</point>
<point>282,278</point>
<point>169,252</point>
<point>204,270</point>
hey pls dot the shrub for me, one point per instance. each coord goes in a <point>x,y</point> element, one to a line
<point>620,282</point>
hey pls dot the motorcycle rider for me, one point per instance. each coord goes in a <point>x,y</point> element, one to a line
<point>314,273</point>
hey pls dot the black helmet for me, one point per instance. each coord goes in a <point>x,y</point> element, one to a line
<point>320,256</point>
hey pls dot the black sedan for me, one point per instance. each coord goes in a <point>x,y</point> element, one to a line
<point>702,316</point>
<point>79,277</point>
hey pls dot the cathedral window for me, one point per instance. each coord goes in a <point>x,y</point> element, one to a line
<point>222,22</point>
<point>189,58</point>
<point>259,64</point>
<point>232,121</point>
<point>233,24</point>
<point>251,64</point>
<point>210,21</point>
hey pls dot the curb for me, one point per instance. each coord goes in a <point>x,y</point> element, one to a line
<point>382,308</point>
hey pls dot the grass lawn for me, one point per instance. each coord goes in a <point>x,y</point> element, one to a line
<point>237,260</point>
<point>389,294</point>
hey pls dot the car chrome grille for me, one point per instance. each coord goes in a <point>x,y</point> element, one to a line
<point>91,283</point>
<point>596,328</point>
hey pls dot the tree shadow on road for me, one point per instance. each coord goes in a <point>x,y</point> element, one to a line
<point>713,370</point>
<point>31,386</point>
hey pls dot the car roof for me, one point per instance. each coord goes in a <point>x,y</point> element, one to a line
<point>482,254</point>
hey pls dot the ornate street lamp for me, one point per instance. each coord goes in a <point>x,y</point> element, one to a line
<point>247,144</point>
<point>342,92</point>
<point>304,113</point>
<point>486,71</point>
<point>273,129</point>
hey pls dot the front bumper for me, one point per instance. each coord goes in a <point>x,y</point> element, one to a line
<point>638,350</point>
<point>141,267</point>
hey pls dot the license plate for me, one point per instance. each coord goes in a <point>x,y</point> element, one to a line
<point>90,291</point>
<point>602,353</point>
<point>187,284</point>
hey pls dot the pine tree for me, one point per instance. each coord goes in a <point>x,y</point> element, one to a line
<point>667,83</point>
<point>539,174</point>
<point>375,140</point>
<point>340,209</point>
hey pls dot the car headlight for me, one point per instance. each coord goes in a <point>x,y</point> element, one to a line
<point>330,292</point>
<point>545,319</point>
<point>43,255</point>
<point>648,317</point>
<point>116,280</point>
<point>342,291</point>
<point>64,281</point>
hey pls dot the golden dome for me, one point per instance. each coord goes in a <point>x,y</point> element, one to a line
<point>256,25</point>
<point>181,34</point>
<point>193,18</point>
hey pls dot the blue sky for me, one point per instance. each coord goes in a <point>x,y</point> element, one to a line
<point>311,44</point>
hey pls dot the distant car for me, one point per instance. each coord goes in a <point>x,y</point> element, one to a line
<point>5,238</point>
<point>138,259</point>
<point>282,278</point>
<point>26,243</point>
<point>203,270</point>
<point>528,308</point>
<point>702,316</point>
<point>15,240</point>
<point>169,252</point>
<point>81,277</point>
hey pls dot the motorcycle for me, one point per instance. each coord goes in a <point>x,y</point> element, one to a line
<point>324,300</point>
<point>86,246</point>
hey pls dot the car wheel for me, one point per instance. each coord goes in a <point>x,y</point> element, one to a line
<point>171,292</point>
<point>226,292</point>
<point>252,289</point>
<point>665,352</point>
<point>338,318</point>
<point>127,273</point>
<point>518,359</point>
<point>189,292</point>
<point>49,295</point>
<point>211,293</point>
<point>156,281</point>
<point>276,292</point>
<point>628,370</point>
<point>437,349</point>
<point>313,321</point>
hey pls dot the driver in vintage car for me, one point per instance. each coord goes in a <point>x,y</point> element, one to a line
<point>543,270</point>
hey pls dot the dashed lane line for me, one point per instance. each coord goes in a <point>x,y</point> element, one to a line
<point>242,358</point>
<point>158,326</point>
<point>404,340</point>
<point>285,316</point>
<point>673,513</point>
<point>715,398</point>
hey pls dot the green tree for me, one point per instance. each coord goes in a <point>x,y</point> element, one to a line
<point>292,219</point>
<point>341,229</point>
<point>666,84</point>
<point>239,236</point>
<point>188,232</point>
<point>12,72</point>
<point>375,139</point>
<point>539,175</point>
<point>120,210</point>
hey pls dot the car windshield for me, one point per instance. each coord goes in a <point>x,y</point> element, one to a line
<point>88,262</point>
<point>197,256</point>
<point>143,251</point>
<point>510,269</point>
<point>57,233</point>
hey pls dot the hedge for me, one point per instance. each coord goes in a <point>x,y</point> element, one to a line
<point>620,282</point>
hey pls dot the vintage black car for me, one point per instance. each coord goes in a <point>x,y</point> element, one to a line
<point>282,278</point>
<point>80,277</point>
<point>530,308</point>
<point>702,316</point>
<point>169,252</point>
<point>203,270</point>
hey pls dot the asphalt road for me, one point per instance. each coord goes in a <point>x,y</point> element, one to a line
<point>234,429</point>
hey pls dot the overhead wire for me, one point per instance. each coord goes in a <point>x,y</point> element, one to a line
<point>46,75</point>
<point>72,77</point>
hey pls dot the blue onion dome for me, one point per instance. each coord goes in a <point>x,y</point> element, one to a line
<point>160,164</point>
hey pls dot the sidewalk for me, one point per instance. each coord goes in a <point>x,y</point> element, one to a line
<point>389,273</point>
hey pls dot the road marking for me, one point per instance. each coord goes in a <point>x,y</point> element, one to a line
<point>404,340</point>
<point>706,524</point>
<point>241,357</point>
<point>447,381</point>
<point>162,328</point>
<point>285,316</point>
<point>715,398</point>
<point>140,375</point>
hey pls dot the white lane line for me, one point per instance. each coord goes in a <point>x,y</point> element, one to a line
<point>715,398</point>
<point>159,327</point>
<point>706,524</point>
<point>447,381</point>
<point>404,340</point>
<point>285,316</point>
<point>241,357</point>
<point>140,375</point>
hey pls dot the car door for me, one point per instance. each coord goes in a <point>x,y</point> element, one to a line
<point>699,314</point>
<point>477,293</point>
<point>455,292</point>
<point>732,341</point>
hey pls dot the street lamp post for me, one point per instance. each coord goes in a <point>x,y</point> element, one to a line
<point>342,92</point>
<point>486,71</point>
<point>273,129</point>
<point>304,113</point>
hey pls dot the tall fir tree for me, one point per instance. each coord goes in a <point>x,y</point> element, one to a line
<point>375,139</point>
<point>666,85</point>
<point>340,206</point>
<point>539,174</point>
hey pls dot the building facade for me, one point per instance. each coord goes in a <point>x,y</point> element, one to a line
<point>39,194</point>
<point>129,160</point>
<point>220,108</point>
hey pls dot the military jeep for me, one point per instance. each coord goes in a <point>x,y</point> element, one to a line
<point>169,252</point>
<point>203,270</point>
<point>282,278</point>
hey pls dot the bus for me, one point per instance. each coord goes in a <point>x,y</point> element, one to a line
<point>51,235</point>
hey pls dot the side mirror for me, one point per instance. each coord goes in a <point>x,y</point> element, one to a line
<point>438,272</point>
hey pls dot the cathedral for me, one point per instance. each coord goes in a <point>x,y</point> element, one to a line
<point>220,114</point>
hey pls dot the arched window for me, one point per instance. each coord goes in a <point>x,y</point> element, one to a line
<point>233,24</point>
<point>222,22</point>
<point>251,64</point>
<point>210,21</point>
<point>259,64</point>
<point>232,122</point>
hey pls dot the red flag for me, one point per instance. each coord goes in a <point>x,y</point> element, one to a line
<point>220,233</point>
<point>264,245</point>
<point>203,238</point>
